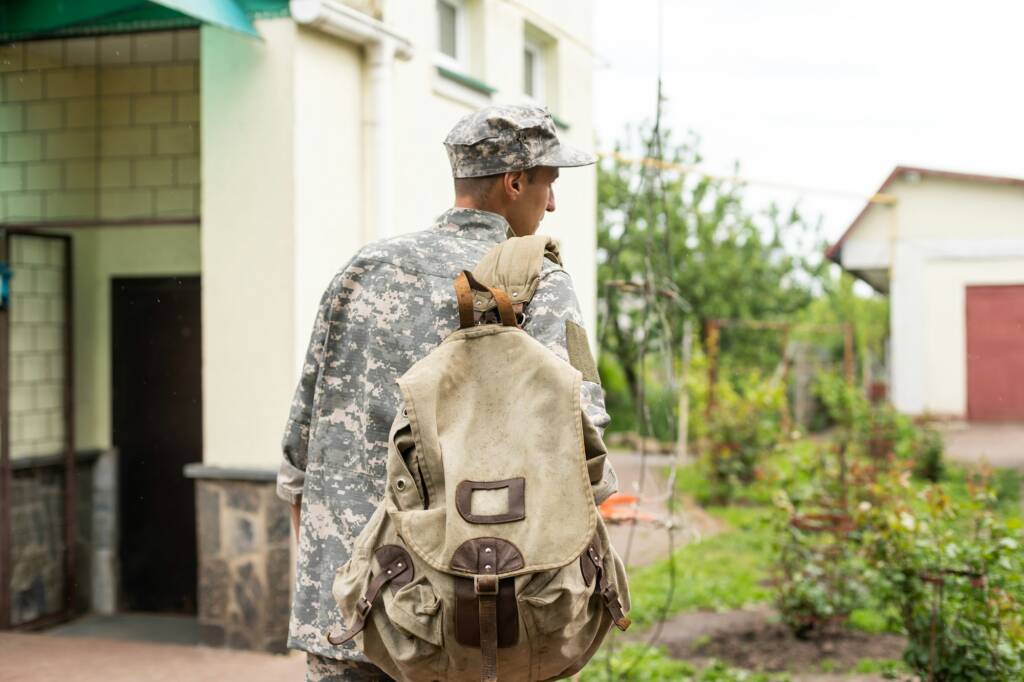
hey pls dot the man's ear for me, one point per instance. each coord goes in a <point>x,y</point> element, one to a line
<point>515,183</point>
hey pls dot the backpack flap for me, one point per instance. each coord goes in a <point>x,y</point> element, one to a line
<point>496,416</point>
<point>514,266</point>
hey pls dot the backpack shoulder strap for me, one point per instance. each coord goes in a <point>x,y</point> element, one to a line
<point>514,266</point>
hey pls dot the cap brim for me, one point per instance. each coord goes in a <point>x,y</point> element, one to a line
<point>564,156</point>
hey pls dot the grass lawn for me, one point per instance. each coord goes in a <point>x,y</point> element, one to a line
<point>724,571</point>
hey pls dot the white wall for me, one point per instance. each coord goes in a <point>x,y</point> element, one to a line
<point>940,208</point>
<point>248,245</point>
<point>328,157</point>
<point>282,211</point>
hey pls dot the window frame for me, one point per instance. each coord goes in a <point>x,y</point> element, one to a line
<point>538,52</point>
<point>460,62</point>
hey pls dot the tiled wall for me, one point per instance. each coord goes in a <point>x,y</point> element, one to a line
<point>37,345</point>
<point>94,128</point>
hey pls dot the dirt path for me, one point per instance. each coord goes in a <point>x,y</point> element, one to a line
<point>753,639</point>
<point>1001,445</point>
<point>38,658</point>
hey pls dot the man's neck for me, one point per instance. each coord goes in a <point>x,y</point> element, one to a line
<point>470,202</point>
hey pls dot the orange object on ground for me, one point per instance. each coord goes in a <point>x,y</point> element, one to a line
<point>619,508</point>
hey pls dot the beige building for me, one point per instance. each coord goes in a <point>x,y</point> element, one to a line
<point>948,248</point>
<point>175,192</point>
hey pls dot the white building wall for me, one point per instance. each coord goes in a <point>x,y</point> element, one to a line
<point>282,212</point>
<point>940,208</point>
<point>248,242</point>
<point>329,213</point>
<point>941,236</point>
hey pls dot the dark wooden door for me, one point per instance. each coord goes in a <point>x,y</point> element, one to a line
<point>157,427</point>
<point>995,353</point>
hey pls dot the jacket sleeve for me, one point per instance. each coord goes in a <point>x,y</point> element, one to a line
<point>291,473</point>
<point>553,317</point>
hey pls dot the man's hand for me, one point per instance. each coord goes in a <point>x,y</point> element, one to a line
<point>296,509</point>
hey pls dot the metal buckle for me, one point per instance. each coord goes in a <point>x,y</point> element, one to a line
<point>363,607</point>
<point>485,584</point>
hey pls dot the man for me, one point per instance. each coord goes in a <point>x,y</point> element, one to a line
<point>390,306</point>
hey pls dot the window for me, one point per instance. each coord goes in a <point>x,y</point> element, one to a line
<point>533,71</point>
<point>451,34</point>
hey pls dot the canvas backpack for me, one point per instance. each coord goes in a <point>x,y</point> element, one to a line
<point>487,558</point>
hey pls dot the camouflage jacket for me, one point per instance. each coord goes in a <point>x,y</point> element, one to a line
<point>391,305</point>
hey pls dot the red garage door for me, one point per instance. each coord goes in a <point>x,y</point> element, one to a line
<point>995,353</point>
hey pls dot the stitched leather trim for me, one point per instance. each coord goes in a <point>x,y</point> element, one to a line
<point>480,556</point>
<point>516,500</point>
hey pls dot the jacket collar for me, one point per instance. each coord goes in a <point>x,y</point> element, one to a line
<point>471,223</point>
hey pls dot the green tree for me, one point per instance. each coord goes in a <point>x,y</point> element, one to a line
<point>675,244</point>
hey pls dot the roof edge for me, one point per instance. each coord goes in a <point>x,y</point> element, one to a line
<point>833,252</point>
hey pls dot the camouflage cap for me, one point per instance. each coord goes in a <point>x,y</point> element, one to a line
<point>506,138</point>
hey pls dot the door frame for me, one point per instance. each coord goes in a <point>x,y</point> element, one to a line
<point>69,487</point>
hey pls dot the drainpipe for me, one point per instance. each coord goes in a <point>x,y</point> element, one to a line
<point>382,45</point>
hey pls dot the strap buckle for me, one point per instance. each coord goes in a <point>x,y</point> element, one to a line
<point>363,607</point>
<point>610,594</point>
<point>485,584</point>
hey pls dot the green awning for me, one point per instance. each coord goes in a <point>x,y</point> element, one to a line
<point>33,19</point>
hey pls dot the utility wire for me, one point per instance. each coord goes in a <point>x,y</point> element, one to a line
<point>662,164</point>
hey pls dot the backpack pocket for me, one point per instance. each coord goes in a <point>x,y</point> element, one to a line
<point>408,486</point>
<point>410,626</point>
<point>416,610</point>
<point>557,599</point>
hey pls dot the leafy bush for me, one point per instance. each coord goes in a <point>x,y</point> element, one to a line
<point>879,431</point>
<point>954,572</point>
<point>819,570</point>
<point>820,578</point>
<point>928,462</point>
<point>745,426</point>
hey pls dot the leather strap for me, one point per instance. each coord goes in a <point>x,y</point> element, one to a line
<point>609,594</point>
<point>388,573</point>
<point>486,587</point>
<point>465,283</point>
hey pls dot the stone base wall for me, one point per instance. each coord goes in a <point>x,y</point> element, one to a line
<point>244,564</point>
<point>37,542</point>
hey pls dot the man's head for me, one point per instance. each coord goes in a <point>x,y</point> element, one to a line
<point>522,197</point>
<point>505,158</point>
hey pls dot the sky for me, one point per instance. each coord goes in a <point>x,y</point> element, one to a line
<point>823,94</point>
